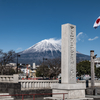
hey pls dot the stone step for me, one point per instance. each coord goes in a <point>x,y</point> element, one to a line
<point>86,99</point>
<point>53,98</point>
<point>57,98</point>
<point>4,93</point>
<point>5,97</point>
<point>81,99</point>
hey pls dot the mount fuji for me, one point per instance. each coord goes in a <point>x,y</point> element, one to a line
<point>48,48</point>
<point>44,46</point>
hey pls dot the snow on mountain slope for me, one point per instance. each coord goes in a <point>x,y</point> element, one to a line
<point>48,48</point>
<point>45,45</point>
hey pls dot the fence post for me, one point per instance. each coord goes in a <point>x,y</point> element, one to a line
<point>33,96</point>
<point>15,78</point>
<point>22,96</point>
<point>63,96</point>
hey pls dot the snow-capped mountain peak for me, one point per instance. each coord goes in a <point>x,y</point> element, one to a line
<point>48,48</point>
<point>45,45</point>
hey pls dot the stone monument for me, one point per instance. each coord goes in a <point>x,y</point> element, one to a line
<point>68,54</point>
<point>68,67</point>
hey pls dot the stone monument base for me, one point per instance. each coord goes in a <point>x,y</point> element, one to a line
<point>72,92</point>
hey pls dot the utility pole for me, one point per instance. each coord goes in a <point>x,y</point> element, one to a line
<point>92,67</point>
<point>17,62</point>
<point>27,71</point>
<point>43,66</point>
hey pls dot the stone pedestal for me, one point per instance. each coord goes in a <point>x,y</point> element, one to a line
<point>75,91</point>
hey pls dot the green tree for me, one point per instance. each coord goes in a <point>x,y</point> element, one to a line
<point>97,72</point>
<point>83,68</point>
<point>42,71</point>
<point>11,71</point>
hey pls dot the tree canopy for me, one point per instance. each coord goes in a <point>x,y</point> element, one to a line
<point>55,67</point>
<point>97,72</point>
<point>83,68</point>
<point>50,68</point>
<point>5,58</point>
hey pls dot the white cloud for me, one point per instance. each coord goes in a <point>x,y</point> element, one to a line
<point>53,40</point>
<point>19,48</point>
<point>80,37</point>
<point>93,38</point>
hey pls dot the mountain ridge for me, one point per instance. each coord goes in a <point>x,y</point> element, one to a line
<point>47,48</point>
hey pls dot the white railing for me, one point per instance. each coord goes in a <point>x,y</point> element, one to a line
<point>96,82</point>
<point>37,84</point>
<point>9,78</point>
<point>46,84</point>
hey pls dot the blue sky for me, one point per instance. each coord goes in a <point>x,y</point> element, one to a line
<point>26,22</point>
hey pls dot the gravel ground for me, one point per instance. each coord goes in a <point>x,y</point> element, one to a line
<point>42,98</point>
<point>39,98</point>
<point>31,99</point>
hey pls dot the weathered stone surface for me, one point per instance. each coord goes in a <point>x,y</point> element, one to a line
<point>70,86</point>
<point>72,94</point>
<point>68,54</point>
